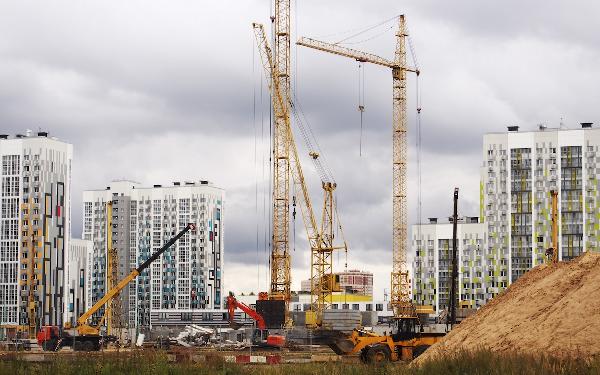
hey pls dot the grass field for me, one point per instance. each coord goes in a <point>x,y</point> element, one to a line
<point>156,363</point>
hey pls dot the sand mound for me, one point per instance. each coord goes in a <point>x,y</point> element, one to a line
<point>552,309</point>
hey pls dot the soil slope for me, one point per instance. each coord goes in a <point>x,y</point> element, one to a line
<point>552,309</point>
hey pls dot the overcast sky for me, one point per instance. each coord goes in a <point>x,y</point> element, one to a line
<point>171,90</point>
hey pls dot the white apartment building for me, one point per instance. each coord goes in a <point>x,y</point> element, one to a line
<point>185,283</point>
<point>77,274</point>
<point>478,277</point>
<point>520,169</point>
<point>34,230</point>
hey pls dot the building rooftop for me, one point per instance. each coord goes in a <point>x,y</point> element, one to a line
<point>544,127</point>
<point>126,184</point>
<point>449,220</point>
<point>28,134</point>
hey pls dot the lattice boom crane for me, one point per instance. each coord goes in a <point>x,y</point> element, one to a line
<point>280,257</point>
<point>320,241</point>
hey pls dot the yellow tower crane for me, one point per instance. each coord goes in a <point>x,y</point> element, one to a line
<point>113,312</point>
<point>404,310</point>
<point>321,242</point>
<point>280,257</point>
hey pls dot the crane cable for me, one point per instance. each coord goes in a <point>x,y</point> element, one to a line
<point>255,161</point>
<point>419,159</point>
<point>368,29</point>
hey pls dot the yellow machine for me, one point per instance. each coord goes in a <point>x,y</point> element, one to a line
<point>375,348</point>
<point>400,283</point>
<point>321,240</point>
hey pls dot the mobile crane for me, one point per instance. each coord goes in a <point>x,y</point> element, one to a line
<point>261,336</point>
<point>86,337</point>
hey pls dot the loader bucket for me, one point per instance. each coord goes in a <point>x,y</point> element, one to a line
<point>341,346</point>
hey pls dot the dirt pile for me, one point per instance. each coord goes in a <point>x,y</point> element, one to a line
<point>552,309</point>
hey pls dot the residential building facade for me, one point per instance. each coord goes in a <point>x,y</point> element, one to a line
<point>76,277</point>
<point>519,172</point>
<point>185,283</point>
<point>34,229</point>
<point>478,277</point>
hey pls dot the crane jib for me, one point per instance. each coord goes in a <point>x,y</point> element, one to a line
<point>155,256</point>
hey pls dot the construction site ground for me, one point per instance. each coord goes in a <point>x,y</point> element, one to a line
<point>160,362</point>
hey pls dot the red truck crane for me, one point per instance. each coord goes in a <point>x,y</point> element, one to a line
<point>261,336</point>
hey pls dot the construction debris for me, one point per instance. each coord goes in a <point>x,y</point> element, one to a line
<point>554,309</point>
<point>194,335</point>
<point>342,320</point>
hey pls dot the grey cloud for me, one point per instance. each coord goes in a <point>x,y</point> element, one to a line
<point>141,89</point>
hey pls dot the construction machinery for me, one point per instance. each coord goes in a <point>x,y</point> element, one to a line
<point>552,252</point>
<point>406,339</point>
<point>113,307</point>
<point>261,336</point>
<point>280,288</point>
<point>405,314</point>
<point>404,311</point>
<point>321,241</point>
<point>87,337</point>
<point>374,348</point>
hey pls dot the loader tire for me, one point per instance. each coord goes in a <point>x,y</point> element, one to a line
<point>378,354</point>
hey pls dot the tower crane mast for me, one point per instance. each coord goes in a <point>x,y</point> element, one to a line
<point>280,257</point>
<point>400,284</point>
<point>320,241</point>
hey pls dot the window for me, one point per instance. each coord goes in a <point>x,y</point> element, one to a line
<point>355,306</point>
<point>345,306</point>
<point>379,307</point>
<point>369,307</point>
<point>186,316</point>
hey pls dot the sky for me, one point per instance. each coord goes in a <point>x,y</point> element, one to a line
<point>174,90</point>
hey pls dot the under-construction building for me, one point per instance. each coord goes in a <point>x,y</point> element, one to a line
<point>34,230</point>
<point>185,283</point>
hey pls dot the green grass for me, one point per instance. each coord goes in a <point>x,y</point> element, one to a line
<point>156,363</point>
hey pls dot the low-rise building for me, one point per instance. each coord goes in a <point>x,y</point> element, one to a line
<point>478,277</point>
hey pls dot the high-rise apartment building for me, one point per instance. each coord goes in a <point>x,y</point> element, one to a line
<point>520,169</point>
<point>478,277</point>
<point>185,283</point>
<point>34,230</point>
<point>519,172</point>
<point>77,274</point>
